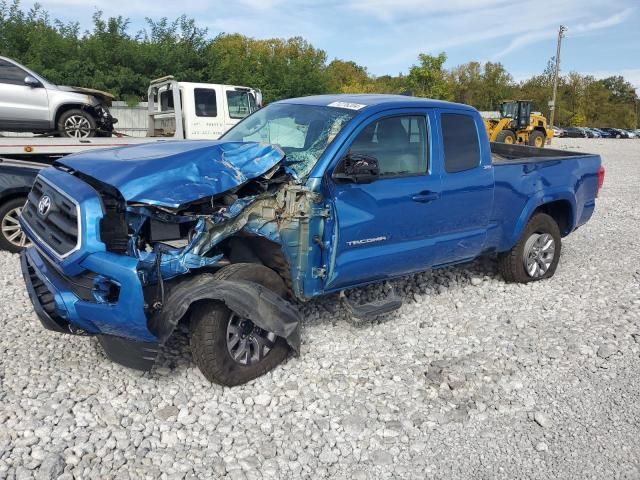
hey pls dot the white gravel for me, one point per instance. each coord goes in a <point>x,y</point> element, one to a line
<point>472,378</point>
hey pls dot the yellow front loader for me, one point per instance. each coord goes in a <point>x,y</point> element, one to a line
<point>518,125</point>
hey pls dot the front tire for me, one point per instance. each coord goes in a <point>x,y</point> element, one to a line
<point>12,238</point>
<point>230,350</point>
<point>536,254</point>
<point>506,136</point>
<point>76,123</point>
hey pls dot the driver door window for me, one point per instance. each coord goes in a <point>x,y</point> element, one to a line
<point>398,143</point>
<point>11,74</point>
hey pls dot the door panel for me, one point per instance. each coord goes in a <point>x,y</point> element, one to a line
<point>467,189</point>
<point>385,228</point>
<point>380,224</point>
<point>21,105</point>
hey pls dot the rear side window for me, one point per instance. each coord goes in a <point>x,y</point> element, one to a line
<point>11,74</point>
<point>205,99</point>
<point>461,145</point>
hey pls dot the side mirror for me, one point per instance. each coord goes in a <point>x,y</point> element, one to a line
<point>357,168</point>
<point>32,81</point>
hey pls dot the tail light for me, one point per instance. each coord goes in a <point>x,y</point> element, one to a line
<point>600,179</point>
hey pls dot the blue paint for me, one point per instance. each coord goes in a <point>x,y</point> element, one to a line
<point>474,211</point>
<point>171,174</point>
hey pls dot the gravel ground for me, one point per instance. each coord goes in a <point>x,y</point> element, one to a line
<point>472,378</point>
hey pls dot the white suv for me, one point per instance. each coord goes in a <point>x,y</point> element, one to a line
<point>30,103</point>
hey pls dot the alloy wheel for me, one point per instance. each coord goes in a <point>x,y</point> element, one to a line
<point>539,252</point>
<point>11,228</point>
<point>77,126</point>
<point>246,342</point>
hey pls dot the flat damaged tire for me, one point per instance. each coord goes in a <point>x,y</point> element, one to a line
<point>230,350</point>
<point>536,254</point>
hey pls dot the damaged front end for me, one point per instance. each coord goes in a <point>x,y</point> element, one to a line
<point>265,217</point>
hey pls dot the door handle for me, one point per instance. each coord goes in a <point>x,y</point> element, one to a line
<point>425,197</point>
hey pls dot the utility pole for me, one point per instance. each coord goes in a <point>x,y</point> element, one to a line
<point>552,104</point>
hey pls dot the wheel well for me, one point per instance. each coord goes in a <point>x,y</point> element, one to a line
<point>65,108</point>
<point>254,249</point>
<point>13,196</point>
<point>561,212</point>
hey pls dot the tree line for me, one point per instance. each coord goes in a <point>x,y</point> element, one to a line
<point>110,57</point>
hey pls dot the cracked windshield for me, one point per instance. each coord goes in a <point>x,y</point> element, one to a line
<point>302,131</point>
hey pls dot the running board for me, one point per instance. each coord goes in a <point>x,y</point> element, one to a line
<point>383,306</point>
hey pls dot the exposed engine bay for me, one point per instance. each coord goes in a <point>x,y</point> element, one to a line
<point>261,220</point>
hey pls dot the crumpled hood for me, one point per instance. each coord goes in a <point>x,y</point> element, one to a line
<point>174,173</point>
<point>106,97</point>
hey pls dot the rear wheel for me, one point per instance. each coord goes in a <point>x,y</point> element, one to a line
<point>506,136</point>
<point>536,139</point>
<point>536,254</point>
<point>12,238</point>
<point>229,349</point>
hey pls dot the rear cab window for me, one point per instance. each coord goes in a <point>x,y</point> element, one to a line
<point>460,142</point>
<point>166,100</point>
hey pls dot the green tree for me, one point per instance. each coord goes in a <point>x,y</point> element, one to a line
<point>428,78</point>
<point>109,57</point>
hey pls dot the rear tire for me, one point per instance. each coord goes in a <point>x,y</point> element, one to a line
<point>12,238</point>
<point>506,136</point>
<point>541,230</point>
<point>212,324</point>
<point>536,139</point>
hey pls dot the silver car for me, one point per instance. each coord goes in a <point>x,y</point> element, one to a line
<point>30,103</point>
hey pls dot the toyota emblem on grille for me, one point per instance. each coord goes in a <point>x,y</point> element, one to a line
<point>44,205</point>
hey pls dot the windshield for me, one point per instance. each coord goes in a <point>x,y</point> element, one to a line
<point>302,131</point>
<point>509,109</point>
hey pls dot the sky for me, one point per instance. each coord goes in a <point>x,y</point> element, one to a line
<point>386,36</point>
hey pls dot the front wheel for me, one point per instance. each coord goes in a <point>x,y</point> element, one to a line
<point>506,136</point>
<point>76,123</point>
<point>536,254</point>
<point>12,237</point>
<point>229,349</point>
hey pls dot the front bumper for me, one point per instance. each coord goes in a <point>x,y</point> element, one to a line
<point>64,305</point>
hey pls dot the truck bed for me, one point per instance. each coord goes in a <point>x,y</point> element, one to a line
<point>502,153</point>
<point>527,176</point>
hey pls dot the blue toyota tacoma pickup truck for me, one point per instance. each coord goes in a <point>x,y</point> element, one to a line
<point>305,197</point>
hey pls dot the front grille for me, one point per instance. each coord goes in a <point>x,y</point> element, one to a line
<point>56,225</point>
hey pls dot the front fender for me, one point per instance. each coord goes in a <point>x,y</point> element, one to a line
<point>248,299</point>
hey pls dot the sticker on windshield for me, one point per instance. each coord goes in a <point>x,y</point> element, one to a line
<point>349,105</point>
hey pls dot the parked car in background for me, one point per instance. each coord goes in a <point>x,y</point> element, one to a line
<point>575,132</point>
<point>592,133</point>
<point>631,133</point>
<point>559,132</point>
<point>30,103</point>
<point>616,132</point>
<point>602,133</point>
